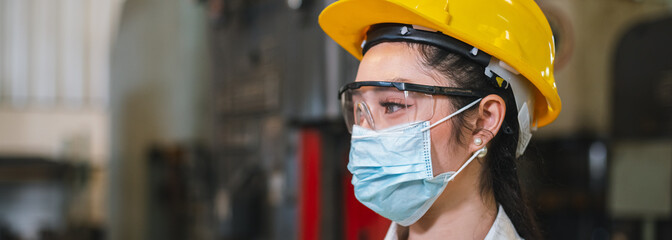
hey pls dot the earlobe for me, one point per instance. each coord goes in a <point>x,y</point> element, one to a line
<point>491,113</point>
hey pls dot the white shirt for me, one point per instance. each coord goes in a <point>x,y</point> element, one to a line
<point>502,228</point>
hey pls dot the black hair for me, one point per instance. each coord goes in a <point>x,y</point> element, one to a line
<point>499,173</point>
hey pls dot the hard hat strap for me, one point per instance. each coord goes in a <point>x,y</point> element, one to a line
<point>394,32</point>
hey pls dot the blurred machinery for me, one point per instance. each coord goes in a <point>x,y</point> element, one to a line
<point>181,181</point>
<point>280,147</point>
<point>280,144</point>
<point>272,165</point>
<point>45,199</point>
<point>640,183</point>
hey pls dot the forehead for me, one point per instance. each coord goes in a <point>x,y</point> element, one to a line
<point>396,62</point>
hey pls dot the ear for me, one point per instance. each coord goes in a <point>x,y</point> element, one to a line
<point>491,112</point>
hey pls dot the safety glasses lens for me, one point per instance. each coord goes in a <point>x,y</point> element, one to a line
<point>378,108</point>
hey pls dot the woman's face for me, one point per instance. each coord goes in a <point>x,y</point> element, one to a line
<point>398,62</point>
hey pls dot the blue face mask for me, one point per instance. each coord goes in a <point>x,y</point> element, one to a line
<point>392,169</point>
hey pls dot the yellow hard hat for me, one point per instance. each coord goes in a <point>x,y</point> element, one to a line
<point>513,31</point>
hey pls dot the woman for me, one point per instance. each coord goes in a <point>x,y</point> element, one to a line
<point>445,99</point>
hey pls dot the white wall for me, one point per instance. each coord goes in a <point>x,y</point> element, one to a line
<point>55,53</point>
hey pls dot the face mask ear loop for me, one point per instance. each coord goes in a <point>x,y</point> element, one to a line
<point>465,164</point>
<point>453,114</point>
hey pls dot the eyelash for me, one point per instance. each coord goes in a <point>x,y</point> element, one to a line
<point>386,105</point>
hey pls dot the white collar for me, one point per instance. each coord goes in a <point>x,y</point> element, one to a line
<point>502,228</point>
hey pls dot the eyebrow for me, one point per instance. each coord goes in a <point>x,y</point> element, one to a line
<point>399,79</point>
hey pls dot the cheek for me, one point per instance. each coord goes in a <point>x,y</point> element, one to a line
<point>447,155</point>
<point>442,148</point>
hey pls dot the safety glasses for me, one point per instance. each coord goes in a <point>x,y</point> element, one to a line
<point>378,105</point>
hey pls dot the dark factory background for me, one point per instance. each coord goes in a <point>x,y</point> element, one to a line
<point>219,119</point>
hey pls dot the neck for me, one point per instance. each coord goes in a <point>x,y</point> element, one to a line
<point>461,212</point>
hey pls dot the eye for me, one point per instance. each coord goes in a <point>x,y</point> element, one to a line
<point>392,107</point>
